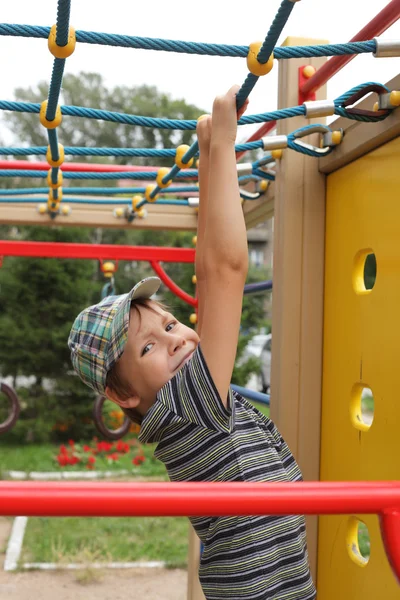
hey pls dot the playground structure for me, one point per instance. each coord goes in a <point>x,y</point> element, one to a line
<point>332,336</point>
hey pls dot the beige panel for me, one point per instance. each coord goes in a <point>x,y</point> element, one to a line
<point>297,305</point>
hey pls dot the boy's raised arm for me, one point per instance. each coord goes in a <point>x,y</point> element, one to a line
<point>204,138</point>
<point>225,255</point>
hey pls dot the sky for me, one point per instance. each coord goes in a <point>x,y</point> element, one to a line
<point>197,79</point>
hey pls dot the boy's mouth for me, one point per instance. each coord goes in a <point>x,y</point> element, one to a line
<point>184,360</point>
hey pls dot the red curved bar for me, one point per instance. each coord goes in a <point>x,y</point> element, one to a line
<point>383,20</point>
<point>263,130</point>
<point>390,530</point>
<point>175,289</point>
<point>72,166</point>
<point>96,251</point>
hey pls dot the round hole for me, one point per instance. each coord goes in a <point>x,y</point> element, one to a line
<point>358,542</point>
<point>364,271</point>
<point>362,407</point>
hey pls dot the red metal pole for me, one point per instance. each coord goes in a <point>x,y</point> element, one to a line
<point>383,20</point>
<point>263,130</point>
<point>72,166</point>
<point>111,499</point>
<point>96,251</point>
<point>175,289</point>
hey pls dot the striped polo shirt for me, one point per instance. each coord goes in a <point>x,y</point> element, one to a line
<point>252,558</point>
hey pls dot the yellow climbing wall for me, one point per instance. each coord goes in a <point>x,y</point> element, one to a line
<point>361,350</point>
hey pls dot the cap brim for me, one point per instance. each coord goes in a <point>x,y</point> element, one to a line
<point>145,288</point>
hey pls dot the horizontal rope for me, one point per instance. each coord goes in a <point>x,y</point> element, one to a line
<point>98,190</point>
<point>91,175</point>
<point>179,46</point>
<point>87,151</point>
<point>103,201</point>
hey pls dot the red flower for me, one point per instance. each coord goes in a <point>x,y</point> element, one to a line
<point>104,446</point>
<point>86,448</point>
<point>71,443</point>
<point>122,446</point>
<point>62,460</point>
<point>63,450</point>
<point>91,460</point>
<point>113,456</point>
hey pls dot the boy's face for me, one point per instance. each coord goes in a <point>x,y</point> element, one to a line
<point>157,348</point>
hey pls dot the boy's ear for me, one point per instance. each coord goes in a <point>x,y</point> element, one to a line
<point>131,402</point>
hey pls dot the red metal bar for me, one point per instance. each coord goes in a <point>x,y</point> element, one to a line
<point>111,499</point>
<point>263,130</point>
<point>383,20</point>
<point>72,166</point>
<point>175,289</point>
<point>178,499</point>
<point>96,251</point>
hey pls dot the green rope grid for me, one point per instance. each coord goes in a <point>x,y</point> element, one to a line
<point>184,47</point>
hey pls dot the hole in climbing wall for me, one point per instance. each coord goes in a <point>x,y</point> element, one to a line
<point>362,407</point>
<point>358,542</point>
<point>364,271</point>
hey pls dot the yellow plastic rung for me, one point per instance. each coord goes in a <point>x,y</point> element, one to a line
<point>61,51</point>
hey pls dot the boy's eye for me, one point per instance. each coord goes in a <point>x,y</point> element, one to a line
<point>170,326</point>
<point>146,349</point>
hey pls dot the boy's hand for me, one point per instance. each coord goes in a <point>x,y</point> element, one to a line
<point>225,117</point>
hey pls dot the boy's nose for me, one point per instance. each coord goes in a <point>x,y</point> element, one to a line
<point>175,343</point>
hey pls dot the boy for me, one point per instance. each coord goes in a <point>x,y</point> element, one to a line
<point>176,383</point>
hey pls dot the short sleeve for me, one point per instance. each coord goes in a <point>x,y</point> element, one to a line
<point>192,395</point>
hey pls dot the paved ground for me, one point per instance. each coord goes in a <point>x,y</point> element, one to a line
<point>151,584</point>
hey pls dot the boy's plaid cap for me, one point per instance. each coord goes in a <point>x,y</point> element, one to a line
<point>99,333</point>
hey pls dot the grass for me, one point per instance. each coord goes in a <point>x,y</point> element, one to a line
<point>80,540</point>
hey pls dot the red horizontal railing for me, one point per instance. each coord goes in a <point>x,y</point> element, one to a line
<point>383,20</point>
<point>96,251</point>
<point>105,499</point>
<point>112,499</point>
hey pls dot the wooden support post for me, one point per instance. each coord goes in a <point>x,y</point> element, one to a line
<point>297,305</point>
<point>194,590</point>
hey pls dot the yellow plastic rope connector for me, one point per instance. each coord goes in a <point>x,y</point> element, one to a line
<point>395,98</point>
<point>337,137</point>
<point>135,201</point>
<point>61,51</point>
<point>65,210</point>
<point>108,269</point>
<point>263,185</point>
<point>53,205</point>
<point>160,176</point>
<point>42,209</point>
<point>59,179</point>
<point>193,318</point>
<point>42,116</point>
<point>194,279</point>
<point>180,153</point>
<point>277,154</point>
<point>55,163</point>
<point>147,193</point>
<point>253,65</point>
<point>194,240</point>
